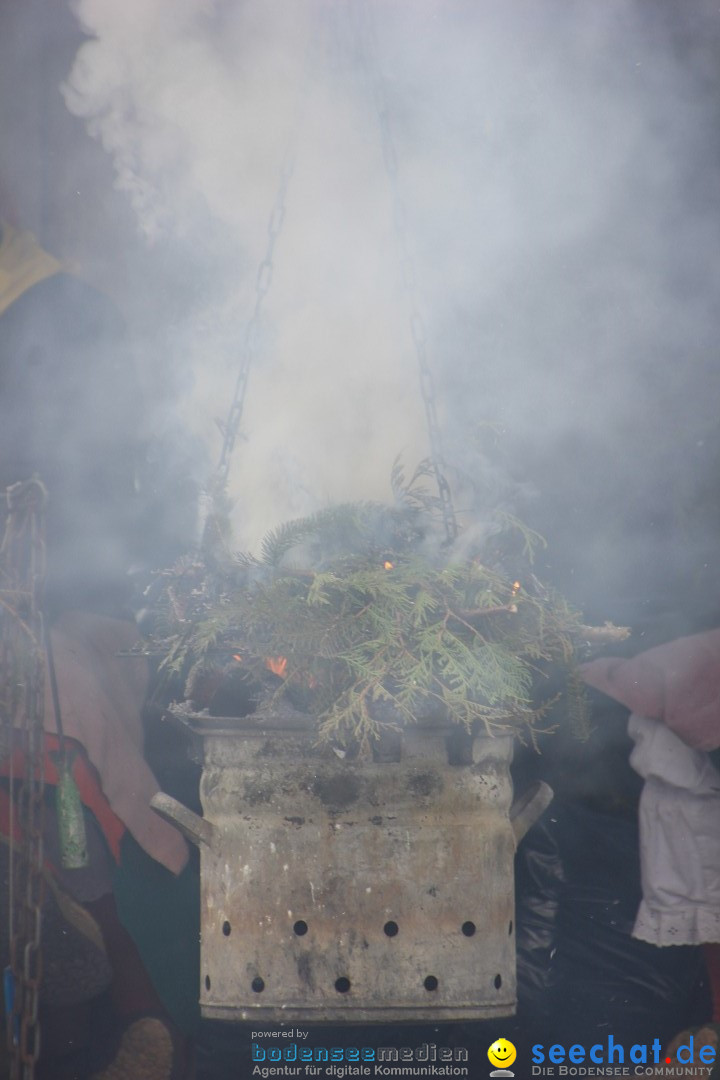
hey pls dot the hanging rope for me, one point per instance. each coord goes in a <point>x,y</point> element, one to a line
<point>22,687</point>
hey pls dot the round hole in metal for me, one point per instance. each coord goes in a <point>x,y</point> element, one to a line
<point>342,985</point>
<point>431,983</point>
<point>468,928</point>
<point>498,981</point>
<point>257,985</point>
<point>227,928</point>
<point>391,928</point>
<point>207,982</point>
<point>300,927</point>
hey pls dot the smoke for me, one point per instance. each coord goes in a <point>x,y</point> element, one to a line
<point>201,106</point>
<point>557,175</point>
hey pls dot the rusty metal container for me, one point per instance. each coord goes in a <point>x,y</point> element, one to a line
<point>336,891</point>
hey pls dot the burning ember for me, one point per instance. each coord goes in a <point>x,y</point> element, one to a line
<point>360,649</point>
<point>278,665</point>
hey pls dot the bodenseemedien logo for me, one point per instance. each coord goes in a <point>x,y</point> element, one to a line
<point>501,1054</point>
<point>293,1058</point>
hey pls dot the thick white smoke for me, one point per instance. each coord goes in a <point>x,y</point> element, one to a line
<point>199,105</point>
<point>556,165</point>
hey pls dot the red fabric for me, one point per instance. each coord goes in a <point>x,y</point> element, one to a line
<point>87,782</point>
<point>678,683</point>
<point>102,682</point>
<point>6,818</point>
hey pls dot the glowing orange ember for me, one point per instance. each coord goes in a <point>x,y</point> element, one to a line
<point>237,657</point>
<point>277,664</point>
<point>515,588</point>
<point>388,565</point>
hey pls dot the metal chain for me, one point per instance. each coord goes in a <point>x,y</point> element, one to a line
<point>365,37</point>
<point>22,559</point>
<point>263,279</point>
<point>250,340</point>
<point>367,54</point>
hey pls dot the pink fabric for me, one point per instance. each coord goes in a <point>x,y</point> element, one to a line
<point>678,683</point>
<point>101,696</point>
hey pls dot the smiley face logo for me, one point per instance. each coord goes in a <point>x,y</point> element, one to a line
<point>502,1053</point>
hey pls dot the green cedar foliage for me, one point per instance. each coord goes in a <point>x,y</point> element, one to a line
<point>379,624</point>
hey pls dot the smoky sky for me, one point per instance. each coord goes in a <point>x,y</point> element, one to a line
<point>557,170</point>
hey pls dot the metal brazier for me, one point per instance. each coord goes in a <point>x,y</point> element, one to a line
<point>334,890</point>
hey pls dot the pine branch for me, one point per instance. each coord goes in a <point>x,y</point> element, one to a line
<point>361,617</point>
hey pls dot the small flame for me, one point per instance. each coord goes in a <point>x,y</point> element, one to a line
<point>236,656</point>
<point>388,565</point>
<point>277,664</point>
<point>515,588</point>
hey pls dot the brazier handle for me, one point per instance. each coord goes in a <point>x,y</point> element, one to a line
<point>526,809</point>
<point>194,828</point>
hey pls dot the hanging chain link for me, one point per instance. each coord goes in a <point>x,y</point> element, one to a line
<point>265,270</point>
<point>22,670</point>
<point>367,55</point>
<point>252,330</point>
<point>364,35</point>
